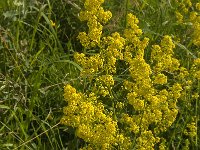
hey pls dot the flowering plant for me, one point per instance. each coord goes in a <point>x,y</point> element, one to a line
<point>129,101</point>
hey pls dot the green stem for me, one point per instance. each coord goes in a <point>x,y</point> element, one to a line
<point>126,13</point>
<point>113,102</point>
<point>196,114</point>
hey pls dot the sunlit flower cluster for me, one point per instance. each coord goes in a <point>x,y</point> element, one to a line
<point>196,69</point>
<point>95,16</point>
<point>184,15</point>
<point>134,110</point>
<point>86,114</point>
<point>191,130</point>
<point>103,85</point>
<point>146,141</point>
<point>161,56</point>
<point>111,51</point>
<point>91,65</point>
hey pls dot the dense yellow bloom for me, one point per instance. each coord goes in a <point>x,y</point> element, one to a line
<point>162,56</point>
<point>137,104</point>
<point>198,6</point>
<point>129,121</point>
<point>93,4</point>
<point>112,51</point>
<point>185,15</point>
<point>95,15</point>
<point>191,130</point>
<point>160,79</point>
<point>146,141</point>
<point>107,80</point>
<point>70,94</point>
<point>104,83</point>
<point>91,65</point>
<point>86,114</point>
<point>183,73</point>
<point>103,16</point>
<point>179,17</point>
<point>139,69</point>
<point>193,16</point>
<point>176,90</point>
<point>188,3</point>
<point>112,112</point>
<point>195,70</point>
<point>84,39</point>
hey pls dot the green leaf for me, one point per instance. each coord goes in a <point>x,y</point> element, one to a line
<point>73,63</point>
<point>4,107</point>
<point>9,14</point>
<point>8,145</point>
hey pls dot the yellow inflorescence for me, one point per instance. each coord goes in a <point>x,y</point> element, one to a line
<point>146,141</point>
<point>195,70</point>
<point>91,65</point>
<point>161,56</point>
<point>145,104</point>
<point>191,130</point>
<point>160,79</point>
<point>87,115</point>
<point>95,16</point>
<point>184,16</point>
<point>198,6</point>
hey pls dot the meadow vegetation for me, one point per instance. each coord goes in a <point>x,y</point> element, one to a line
<point>99,74</point>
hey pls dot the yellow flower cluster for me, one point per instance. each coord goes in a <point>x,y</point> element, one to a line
<point>104,84</point>
<point>179,17</point>
<point>91,65</point>
<point>146,141</point>
<point>161,56</point>
<point>191,130</point>
<point>95,16</point>
<point>111,51</point>
<point>153,106</point>
<point>86,114</point>
<point>130,123</point>
<point>185,15</point>
<point>198,6</point>
<point>160,79</point>
<point>107,80</point>
<point>196,69</point>
<point>196,27</point>
<point>145,103</point>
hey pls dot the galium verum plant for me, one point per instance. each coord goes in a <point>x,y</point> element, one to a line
<point>124,106</point>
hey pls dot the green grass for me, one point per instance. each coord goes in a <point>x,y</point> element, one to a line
<point>36,61</point>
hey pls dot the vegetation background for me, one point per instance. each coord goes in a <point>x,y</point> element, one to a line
<point>37,42</point>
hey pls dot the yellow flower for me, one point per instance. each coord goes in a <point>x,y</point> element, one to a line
<point>107,80</point>
<point>179,17</point>
<point>146,141</point>
<point>53,24</point>
<point>148,109</point>
<point>160,79</point>
<point>198,6</point>
<point>193,15</point>
<point>191,130</point>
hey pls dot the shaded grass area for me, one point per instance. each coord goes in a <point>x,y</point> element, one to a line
<point>35,64</point>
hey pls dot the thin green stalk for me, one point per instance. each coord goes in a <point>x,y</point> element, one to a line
<point>197,114</point>
<point>126,12</point>
<point>16,148</point>
<point>36,26</point>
